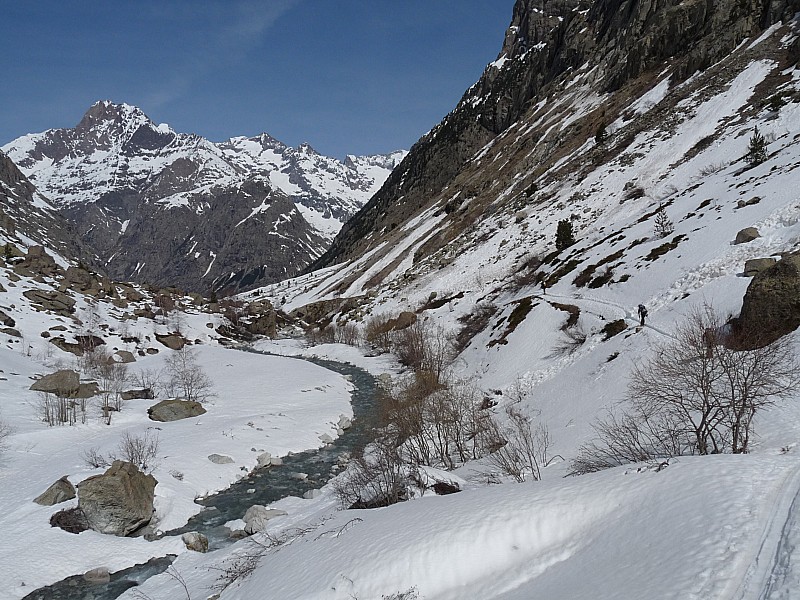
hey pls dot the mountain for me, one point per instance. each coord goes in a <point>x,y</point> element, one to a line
<point>177,209</point>
<point>27,218</point>
<point>566,69</point>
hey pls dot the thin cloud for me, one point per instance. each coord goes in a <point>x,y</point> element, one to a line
<point>250,20</point>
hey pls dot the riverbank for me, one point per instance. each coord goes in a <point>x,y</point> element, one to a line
<point>261,404</point>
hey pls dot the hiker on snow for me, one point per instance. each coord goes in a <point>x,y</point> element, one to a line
<point>642,314</point>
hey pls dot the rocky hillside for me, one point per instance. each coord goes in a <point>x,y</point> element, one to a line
<point>27,218</point>
<point>177,209</point>
<point>566,71</point>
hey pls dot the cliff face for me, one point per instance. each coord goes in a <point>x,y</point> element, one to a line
<point>549,49</point>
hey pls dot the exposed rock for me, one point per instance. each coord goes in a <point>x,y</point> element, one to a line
<point>119,501</point>
<point>754,266</point>
<point>195,541</point>
<point>175,410</point>
<point>90,342</point>
<point>62,383</point>
<point>6,320</point>
<point>87,390</point>
<point>311,494</point>
<point>71,520</point>
<point>344,422</point>
<point>152,351</point>
<point>71,347</point>
<point>143,394</point>
<point>172,340</point>
<point>51,300</point>
<point>257,516</point>
<point>125,356</point>
<point>11,331</point>
<point>220,459</point>
<point>39,262</point>
<point>402,321</point>
<point>264,459</point>
<point>771,304</point>
<point>98,576</point>
<point>61,491</point>
<point>748,234</point>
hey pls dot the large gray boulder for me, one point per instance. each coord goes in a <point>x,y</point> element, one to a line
<point>195,541</point>
<point>171,340</point>
<point>748,234</point>
<point>771,304</point>
<point>53,301</point>
<point>61,491</point>
<point>62,383</point>
<point>175,410</point>
<point>119,501</point>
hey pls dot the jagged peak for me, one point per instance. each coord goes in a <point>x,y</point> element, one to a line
<point>110,112</point>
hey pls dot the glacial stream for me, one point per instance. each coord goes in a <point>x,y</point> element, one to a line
<point>262,486</point>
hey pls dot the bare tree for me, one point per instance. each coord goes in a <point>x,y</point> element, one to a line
<point>186,378</point>
<point>697,394</point>
<point>112,377</point>
<point>522,448</point>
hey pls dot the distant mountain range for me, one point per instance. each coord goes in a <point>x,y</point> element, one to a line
<point>172,208</point>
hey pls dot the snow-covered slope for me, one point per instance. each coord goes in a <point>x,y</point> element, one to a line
<point>117,170</point>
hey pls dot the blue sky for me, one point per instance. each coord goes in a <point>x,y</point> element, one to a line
<point>347,76</point>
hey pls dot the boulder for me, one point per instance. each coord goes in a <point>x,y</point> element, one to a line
<point>71,520</point>
<point>754,266</point>
<point>53,301</point>
<point>771,304</point>
<point>220,459</point>
<point>118,502</point>
<point>195,541</point>
<point>264,459</point>
<point>6,321</point>
<point>257,516</point>
<point>72,347</point>
<point>171,340</point>
<point>38,261</point>
<point>344,422</point>
<point>748,234</point>
<point>98,576</point>
<point>144,394</point>
<point>87,390</point>
<point>175,410</point>
<point>125,356</point>
<point>61,491</point>
<point>61,383</point>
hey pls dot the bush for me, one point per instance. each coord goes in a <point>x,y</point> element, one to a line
<point>187,379</point>
<point>472,324</point>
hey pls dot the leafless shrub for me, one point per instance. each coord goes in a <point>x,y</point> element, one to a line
<point>697,394</point>
<point>522,448</point>
<point>711,169</point>
<point>112,377</point>
<point>377,332</point>
<point>148,379</point>
<point>472,324</point>
<point>376,476</point>
<point>56,410</point>
<point>574,338</point>
<point>320,335</point>
<point>93,458</point>
<point>424,347</point>
<point>187,379</point>
<point>142,450</point>
<point>347,334</point>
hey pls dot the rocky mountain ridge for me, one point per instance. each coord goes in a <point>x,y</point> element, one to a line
<point>566,70</point>
<point>174,208</point>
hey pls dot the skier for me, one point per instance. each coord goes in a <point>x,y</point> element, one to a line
<point>642,314</point>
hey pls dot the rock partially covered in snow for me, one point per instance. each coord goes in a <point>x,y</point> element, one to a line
<point>264,459</point>
<point>62,383</point>
<point>344,422</point>
<point>61,491</point>
<point>195,541</point>
<point>220,459</point>
<point>97,576</point>
<point>119,501</point>
<point>257,516</point>
<point>174,410</point>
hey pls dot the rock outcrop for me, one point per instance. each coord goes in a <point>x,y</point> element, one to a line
<point>118,502</point>
<point>771,304</point>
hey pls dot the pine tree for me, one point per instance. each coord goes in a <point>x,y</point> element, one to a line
<point>663,225</point>
<point>564,236</point>
<point>757,150</point>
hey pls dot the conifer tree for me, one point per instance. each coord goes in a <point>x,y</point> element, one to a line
<point>564,236</point>
<point>757,150</point>
<point>663,224</point>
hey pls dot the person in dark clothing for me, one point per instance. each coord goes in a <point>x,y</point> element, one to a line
<point>642,314</point>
